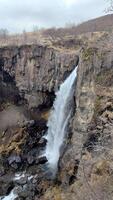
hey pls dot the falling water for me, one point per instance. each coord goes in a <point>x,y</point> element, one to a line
<point>11,196</point>
<point>58,120</point>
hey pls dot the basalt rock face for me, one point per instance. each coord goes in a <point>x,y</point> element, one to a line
<point>89,166</point>
<point>36,70</point>
<point>29,78</point>
<point>93,63</point>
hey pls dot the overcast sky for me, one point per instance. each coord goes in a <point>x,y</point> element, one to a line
<point>16,15</point>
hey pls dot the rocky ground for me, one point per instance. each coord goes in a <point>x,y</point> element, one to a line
<point>29,77</point>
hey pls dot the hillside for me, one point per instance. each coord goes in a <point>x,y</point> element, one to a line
<point>104,23</point>
<point>49,36</point>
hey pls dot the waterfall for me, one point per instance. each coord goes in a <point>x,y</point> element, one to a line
<point>11,196</point>
<point>58,121</point>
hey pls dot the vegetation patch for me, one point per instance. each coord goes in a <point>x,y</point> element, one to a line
<point>105,78</point>
<point>97,107</point>
<point>14,143</point>
<point>88,53</point>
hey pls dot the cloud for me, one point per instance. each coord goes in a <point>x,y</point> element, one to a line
<point>70,2</point>
<point>24,14</point>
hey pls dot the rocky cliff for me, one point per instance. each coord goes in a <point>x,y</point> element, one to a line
<point>36,70</point>
<point>29,77</point>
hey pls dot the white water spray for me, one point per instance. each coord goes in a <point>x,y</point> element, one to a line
<point>58,120</point>
<point>11,196</point>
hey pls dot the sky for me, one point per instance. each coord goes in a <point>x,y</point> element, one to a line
<point>19,15</point>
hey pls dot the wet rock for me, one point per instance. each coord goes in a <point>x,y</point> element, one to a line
<point>22,181</point>
<point>2,171</point>
<point>29,123</point>
<point>14,165</point>
<point>14,161</point>
<point>32,142</point>
<point>6,185</point>
<point>30,159</point>
<point>99,127</point>
<point>27,191</point>
<point>35,179</point>
<point>37,128</point>
<point>42,142</point>
<point>41,160</point>
<point>14,158</point>
<point>41,125</point>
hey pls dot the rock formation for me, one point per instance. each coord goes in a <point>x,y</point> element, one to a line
<point>29,77</point>
<point>37,70</point>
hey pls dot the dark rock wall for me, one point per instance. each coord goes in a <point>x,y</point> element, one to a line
<point>36,70</point>
<point>88,156</point>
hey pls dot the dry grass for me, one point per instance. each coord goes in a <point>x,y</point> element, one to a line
<point>13,143</point>
<point>57,34</point>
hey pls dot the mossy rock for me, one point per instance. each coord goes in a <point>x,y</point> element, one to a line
<point>88,53</point>
<point>105,78</point>
<point>97,107</point>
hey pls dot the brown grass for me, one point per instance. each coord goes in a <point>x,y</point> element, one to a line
<point>47,36</point>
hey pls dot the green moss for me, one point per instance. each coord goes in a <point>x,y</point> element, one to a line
<point>105,78</point>
<point>99,78</point>
<point>97,107</point>
<point>88,53</point>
